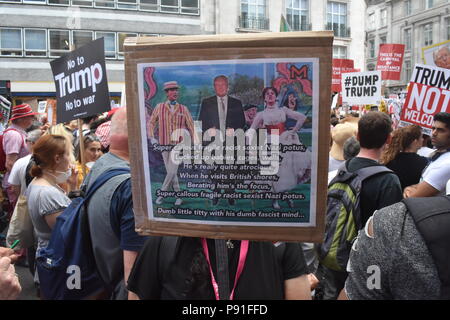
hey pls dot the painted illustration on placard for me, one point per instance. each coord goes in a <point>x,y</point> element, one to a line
<point>230,141</point>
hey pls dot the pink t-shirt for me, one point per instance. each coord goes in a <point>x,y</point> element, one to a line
<point>14,142</point>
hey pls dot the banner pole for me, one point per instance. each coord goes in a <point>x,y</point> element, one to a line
<point>81,146</point>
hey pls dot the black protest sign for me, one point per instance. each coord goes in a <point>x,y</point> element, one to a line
<point>81,83</point>
<point>360,88</point>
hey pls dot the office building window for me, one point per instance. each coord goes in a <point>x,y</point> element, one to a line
<point>169,5</point>
<point>82,3</point>
<point>383,18</point>
<point>59,2</point>
<point>81,38</point>
<point>297,14</point>
<point>18,1</point>
<point>121,38</point>
<point>35,42</point>
<point>382,39</point>
<point>190,6</point>
<point>407,39</point>
<point>407,70</point>
<point>429,4</point>
<point>253,15</point>
<point>408,8</point>
<point>339,52</point>
<point>127,4</point>
<point>148,5</point>
<point>59,42</point>
<point>34,1</point>
<point>372,48</point>
<point>448,28</point>
<point>110,43</point>
<point>372,21</point>
<point>337,19</point>
<point>10,42</point>
<point>428,34</point>
<point>105,3</point>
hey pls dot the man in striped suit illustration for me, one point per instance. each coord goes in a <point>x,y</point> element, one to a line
<point>168,117</point>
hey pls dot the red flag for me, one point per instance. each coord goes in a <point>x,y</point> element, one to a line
<point>340,66</point>
<point>390,60</point>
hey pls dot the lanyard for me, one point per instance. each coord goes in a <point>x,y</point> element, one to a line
<point>242,257</point>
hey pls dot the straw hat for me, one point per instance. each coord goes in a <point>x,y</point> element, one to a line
<point>340,133</point>
<point>171,85</point>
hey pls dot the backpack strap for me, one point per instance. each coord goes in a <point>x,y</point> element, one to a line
<point>104,177</point>
<point>432,218</point>
<point>367,172</point>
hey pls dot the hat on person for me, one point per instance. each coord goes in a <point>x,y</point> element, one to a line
<point>103,133</point>
<point>112,111</point>
<point>340,133</point>
<point>171,85</point>
<point>22,111</point>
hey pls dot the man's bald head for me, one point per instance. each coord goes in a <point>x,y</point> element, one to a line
<point>119,134</point>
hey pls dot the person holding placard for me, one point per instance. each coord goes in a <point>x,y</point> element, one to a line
<point>182,268</point>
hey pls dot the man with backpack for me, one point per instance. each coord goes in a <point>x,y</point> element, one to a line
<point>110,213</point>
<point>402,253</point>
<point>360,187</point>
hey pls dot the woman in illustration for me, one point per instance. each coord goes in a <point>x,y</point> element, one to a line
<point>295,165</point>
<point>292,101</point>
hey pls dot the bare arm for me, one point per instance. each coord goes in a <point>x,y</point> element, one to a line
<point>300,117</point>
<point>128,261</point>
<point>297,288</point>
<point>422,189</point>
<point>10,160</point>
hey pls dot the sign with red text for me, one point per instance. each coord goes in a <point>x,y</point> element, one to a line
<point>428,94</point>
<point>390,60</point>
<point>340,66</point>
<point>360,88</point>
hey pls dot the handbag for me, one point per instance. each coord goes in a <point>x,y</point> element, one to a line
<point>21,227</point>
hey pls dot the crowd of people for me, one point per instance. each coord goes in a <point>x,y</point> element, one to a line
<point>45,170</point>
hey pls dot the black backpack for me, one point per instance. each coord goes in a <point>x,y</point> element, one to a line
<point>432,219</point>
<point>343,218</point>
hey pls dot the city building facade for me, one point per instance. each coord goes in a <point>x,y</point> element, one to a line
<point>34,32</point>
<point>414,23</point>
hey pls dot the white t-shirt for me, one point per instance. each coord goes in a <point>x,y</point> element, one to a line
<point>425,151</point>
<point>437,173</point>
<point>17,175</point>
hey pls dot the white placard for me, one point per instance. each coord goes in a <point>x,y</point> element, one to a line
<point>359,88</point>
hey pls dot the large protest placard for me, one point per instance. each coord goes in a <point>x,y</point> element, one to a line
<point>340,66</point>
<point>226,138</point>
<point>360,88</point>
<point>437,55</point>
<point>428,94</point>
<point>390,60</point>
<point>81,82</point>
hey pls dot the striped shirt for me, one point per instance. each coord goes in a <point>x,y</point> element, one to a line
<point>168,121</point>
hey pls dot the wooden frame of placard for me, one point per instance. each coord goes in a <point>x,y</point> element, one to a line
<point>228,47</point>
